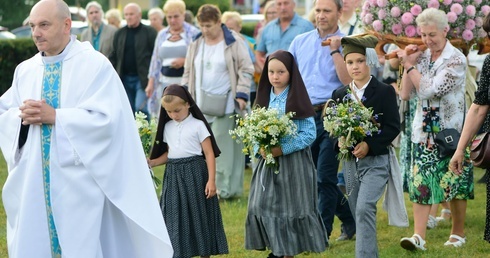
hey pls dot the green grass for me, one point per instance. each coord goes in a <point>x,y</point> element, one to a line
<point>234,213</point>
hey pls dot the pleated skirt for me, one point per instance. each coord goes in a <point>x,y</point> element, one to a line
<point>283,207</point>
<point>193,222</point>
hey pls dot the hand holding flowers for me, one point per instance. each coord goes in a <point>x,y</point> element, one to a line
<point>146,130</point>
<point>350,122</point>
<point>262,129</point>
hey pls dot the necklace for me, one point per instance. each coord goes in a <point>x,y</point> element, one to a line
<point>431,64</point>
<point>207,55</point>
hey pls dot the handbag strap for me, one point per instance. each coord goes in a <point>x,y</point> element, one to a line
<point>360,102</point>
<point>464,107</point>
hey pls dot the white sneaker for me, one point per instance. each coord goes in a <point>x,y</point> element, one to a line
<point>416,242</point>
<point>432,222</point>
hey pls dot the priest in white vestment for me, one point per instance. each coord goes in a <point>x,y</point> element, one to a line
<point>78,183</point>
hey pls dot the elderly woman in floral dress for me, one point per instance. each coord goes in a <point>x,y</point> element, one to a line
<point>437,77</point>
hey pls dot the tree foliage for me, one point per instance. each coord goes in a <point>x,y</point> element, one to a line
<point>12,53</point>
<point>13,12</point>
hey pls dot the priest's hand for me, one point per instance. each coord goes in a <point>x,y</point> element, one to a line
<point>37,112</point>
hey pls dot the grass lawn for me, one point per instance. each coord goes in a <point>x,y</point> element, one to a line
<point>234,213</point>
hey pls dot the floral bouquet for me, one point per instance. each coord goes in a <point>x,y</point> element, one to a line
<point>263,128</point>
<point>350,122</point>
<point>146,131</point>
<point>397,17</point>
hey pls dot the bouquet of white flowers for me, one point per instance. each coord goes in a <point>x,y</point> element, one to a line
<point>263,128</point>
<point>350,122</point>
<point>146,131</point>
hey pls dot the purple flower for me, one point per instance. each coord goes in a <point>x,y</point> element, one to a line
<point>396,28</point>
<point>368,19</point>
<point>485,10</point>
<point>479,21</point>
<point>482,33</point>
<point>410,31</point>
<point>477,2</point>
<point>451,17</point>
<point>470,10</point>
<point>467,35</point>
<point>447,2</point>
<point>366,6</point>
<point>416,10</point>
<point>433,4</point>
<point>363,99</point>
<point>470,24</point>
<point>377,25</point>
<point>381,14</point>
<point>457,8</point>
<point>381,3</point>
<point>396,12</point>
<point>407,18</point>
<point>455,32</point>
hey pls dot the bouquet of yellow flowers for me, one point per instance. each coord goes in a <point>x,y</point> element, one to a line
<point>263,128</point>
<point>146,131</point>
<point>350,122</point>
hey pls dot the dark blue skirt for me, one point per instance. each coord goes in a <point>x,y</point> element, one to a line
<point>193,222</point>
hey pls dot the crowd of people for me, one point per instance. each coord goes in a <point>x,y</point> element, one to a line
<point>78,176</point>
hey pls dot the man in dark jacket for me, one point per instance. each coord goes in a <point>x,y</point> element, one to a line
<point>133,46</point>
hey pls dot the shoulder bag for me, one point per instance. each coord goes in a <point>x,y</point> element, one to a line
<point>446,140</point>
<point>480,150</point>
<point>212,104</point>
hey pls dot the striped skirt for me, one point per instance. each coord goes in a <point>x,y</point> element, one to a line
<point>283,211</point>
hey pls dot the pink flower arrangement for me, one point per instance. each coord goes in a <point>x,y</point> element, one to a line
<point>397,17</point>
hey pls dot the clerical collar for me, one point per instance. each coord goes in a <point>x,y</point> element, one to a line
<point>61,55</point>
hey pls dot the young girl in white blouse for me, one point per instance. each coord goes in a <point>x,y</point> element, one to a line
<point>185,143</point>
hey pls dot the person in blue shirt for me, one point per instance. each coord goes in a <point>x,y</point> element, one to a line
<point>283,205</point>
<point>323,70</point>
<point>279,33</point>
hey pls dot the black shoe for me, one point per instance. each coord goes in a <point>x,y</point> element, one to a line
<point>271,255</point>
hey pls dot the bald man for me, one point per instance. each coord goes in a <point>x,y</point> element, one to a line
<point>78,183</point>
<point>133,47</point>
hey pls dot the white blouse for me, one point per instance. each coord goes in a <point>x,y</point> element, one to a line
<point>443,85</point>
<point>184,139</point>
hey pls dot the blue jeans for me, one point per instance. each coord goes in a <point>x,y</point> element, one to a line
<point>136,94</point>
<point>331,200</point>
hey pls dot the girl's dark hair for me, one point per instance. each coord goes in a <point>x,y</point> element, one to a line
<point>208,13</point>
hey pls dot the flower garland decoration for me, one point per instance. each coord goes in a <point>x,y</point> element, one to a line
<point>146,130</point>
<point>262,129</point>
<point>397,17</point>
<point>350,122</point>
